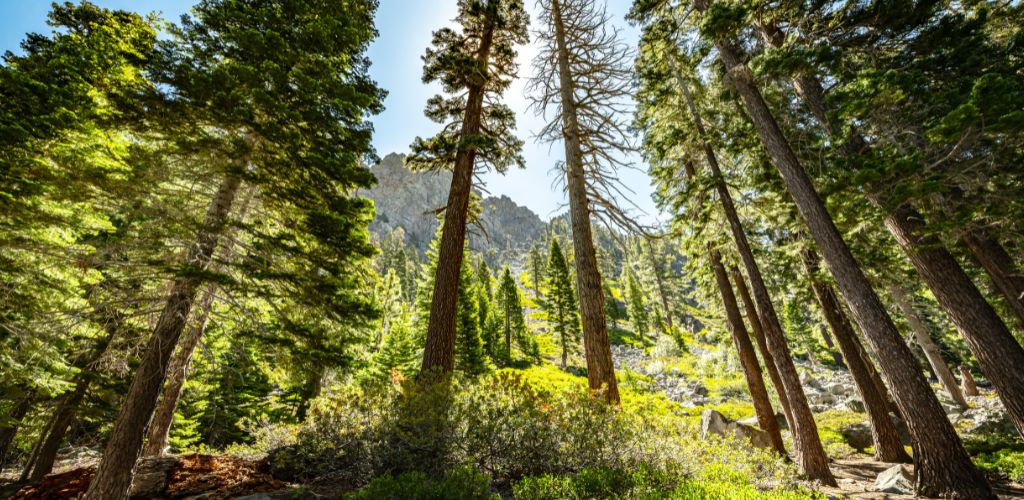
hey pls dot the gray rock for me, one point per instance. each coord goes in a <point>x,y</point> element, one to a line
<point>896,479</point>
<point>151,476</point>
<point>714,423</point>
<point>858,436</point>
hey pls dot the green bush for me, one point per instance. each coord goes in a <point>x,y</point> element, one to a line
<point>510,424</point>
<point>643,483</point>
<point>461,483</point>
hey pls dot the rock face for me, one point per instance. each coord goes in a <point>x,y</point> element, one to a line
<point>896,479</point>
<point>152,475</point>
<point>410,200</point>
<point>714,423</point>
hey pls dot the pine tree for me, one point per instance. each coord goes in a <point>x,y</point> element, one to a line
<point>476,66</point>
<point>301,142</point>
<point>561,302</point>
<point>512,320</point>
<point>537,268</point>
<point>583,77</point>
<point>398,354</point>
<point>638,315</point>
<point>470,352</point>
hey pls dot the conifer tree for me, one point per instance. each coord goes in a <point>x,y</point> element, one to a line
<point>301,141</point>
<point>470,352</point>
<point>561,302</point>
<point>512,321</point>
<point>475,66</point>
<point>637,307</point>
<point>583,79</point>
<point>398,353</point>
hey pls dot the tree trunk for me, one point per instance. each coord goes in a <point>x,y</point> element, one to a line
<point>970,388</point>
<point>18,412</point>
<point>762,344</point>
<point>113,477</point>
<point>888,447</point>
<point>50,439</point>
<point>810,453</point>
<point>942,465</point>
<point>931,351</point>
<point>999,266</point>
<point>837,358</point>
<point>745,351</point>
<point>660,281</point>
<point>438,355</point>
<point>600,370</point>
<point>160,429</point>
<point>988,338</point>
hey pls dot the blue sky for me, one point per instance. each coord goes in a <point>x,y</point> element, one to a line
<point>405,27</point>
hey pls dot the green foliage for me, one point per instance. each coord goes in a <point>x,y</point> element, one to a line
<point>470,353</point>
<point>563,315</point>
<point>637,308</point>
<point>463,483</point>
<point>510,424</point>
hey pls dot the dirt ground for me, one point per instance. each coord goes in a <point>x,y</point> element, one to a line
<point>856,479</point>
<point>213,477</point>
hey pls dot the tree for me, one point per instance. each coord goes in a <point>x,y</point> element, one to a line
<point>944,467</point>
<point>312,123</point>
<point>470,351</point>
<point>561,302</point>
<point>537,268</point>
<point>636,306</point>
<point>583,75</point>
<point>512,320</point>
<point>477,65</point>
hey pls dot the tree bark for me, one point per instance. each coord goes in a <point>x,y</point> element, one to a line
<point>931,351</point>
<point>159,430</point>
<point>762,344</point>
<point>970,388</point>
<point>600,370</point>
<point>837,357</point>
<point>888,447</point>
<point>988,338</point>
<point>810,453</point>
<point>942,465</point>
<point>158,436</point>
<point>113,476</point>
<point>745,351</point>
<point>18,412</point>
<point>999,266</point>
<point>439,353</point>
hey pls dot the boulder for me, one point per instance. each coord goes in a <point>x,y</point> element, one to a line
<point>858,436</point>
<point>151,476</point>
<point>714,423</point>
<point>896,479</point>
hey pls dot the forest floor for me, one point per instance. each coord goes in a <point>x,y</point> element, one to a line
<point>224,477</point>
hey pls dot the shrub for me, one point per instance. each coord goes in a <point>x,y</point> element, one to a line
<point>461,483</point>
<point>509,425</point>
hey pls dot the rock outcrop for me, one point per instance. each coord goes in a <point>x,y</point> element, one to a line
<point>714,423</point>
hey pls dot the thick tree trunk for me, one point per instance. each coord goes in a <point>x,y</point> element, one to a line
<point>439,353</point>
<point>969,387</point>
<point>810,453</point>
<point>888,447</point>
<point>988,338</point>
<point>600,370</point>
<point>158,436</point>
<point>942,465</point>
<point>762,344</point>
<point>999,266</point>
<point>745,351</point>
<point>113,477</point>
<point>18,412</point>
<point>997,351</point>
<point>927,345</point>
<point>160,429</point>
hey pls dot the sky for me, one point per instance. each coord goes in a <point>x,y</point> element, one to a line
<point>405,27</point>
